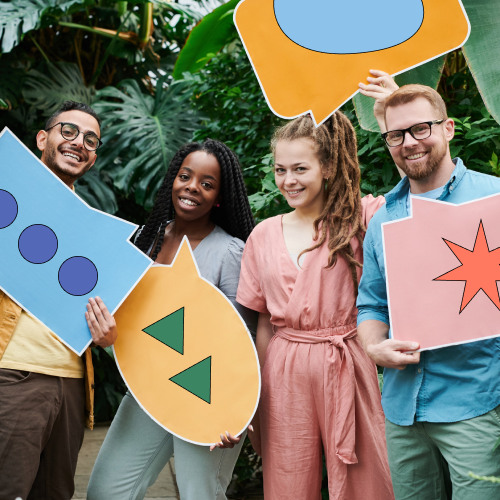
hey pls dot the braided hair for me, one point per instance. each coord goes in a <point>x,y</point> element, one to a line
<point>341,217</point>
<point>233,215</point>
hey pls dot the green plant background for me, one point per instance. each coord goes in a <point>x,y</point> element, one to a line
<point>164,72</point>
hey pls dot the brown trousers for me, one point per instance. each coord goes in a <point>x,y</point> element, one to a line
<point>41,431</point>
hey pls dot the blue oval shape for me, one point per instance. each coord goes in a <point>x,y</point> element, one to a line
<point>348,27</point>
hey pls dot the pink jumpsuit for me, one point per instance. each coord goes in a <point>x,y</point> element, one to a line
<point>320,391</point>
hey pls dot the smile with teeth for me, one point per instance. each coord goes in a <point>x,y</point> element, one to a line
<point>71,155</point>
<point>187,202</point>
<point>415,156</point>
<point>297,191</point>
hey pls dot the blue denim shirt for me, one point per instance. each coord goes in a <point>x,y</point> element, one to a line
<point>449,384</point>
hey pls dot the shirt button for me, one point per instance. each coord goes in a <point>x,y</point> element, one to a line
<point>451,188</point>
<point>419,370</point>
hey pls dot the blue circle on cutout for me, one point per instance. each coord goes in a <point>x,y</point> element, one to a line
<point>78,276</point>
<point>38,244</point>
<point>8,209</point>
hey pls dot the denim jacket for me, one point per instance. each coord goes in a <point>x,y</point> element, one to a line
<point>449,384</point>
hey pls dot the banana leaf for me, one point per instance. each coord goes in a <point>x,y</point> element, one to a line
<point>482,50</point>
<point>206,39</point>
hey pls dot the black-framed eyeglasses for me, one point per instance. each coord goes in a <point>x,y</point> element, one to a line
<point>418,131</point>
<point>70,132</point>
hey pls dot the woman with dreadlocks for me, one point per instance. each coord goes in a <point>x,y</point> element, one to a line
<point>203,197</point>
<point>300,271</point>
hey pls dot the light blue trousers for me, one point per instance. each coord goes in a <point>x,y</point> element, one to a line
<point>135,451</point>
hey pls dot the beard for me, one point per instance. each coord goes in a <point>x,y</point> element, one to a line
<point>426,166</point>
<point>63,171</point>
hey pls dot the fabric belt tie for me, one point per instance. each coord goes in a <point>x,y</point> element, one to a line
<point>339,381</point>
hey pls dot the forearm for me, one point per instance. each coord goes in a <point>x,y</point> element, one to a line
<point>372,332</point>
<point>264,335</point>
<point>384,351</point>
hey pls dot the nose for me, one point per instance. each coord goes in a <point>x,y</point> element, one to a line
<point>290,177</point>
<point>78,140</point>
<point>192,185</point>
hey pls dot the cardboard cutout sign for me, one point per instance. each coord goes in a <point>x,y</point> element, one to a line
<point>56,250</point>
<point>186,355</point>
<point>443,268</point>
<point>310,56</point>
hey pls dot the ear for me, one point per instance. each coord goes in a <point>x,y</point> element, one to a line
<point>41,140</point>
<point>449,129</point>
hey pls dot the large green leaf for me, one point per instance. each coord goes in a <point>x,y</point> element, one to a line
<point>17,17</point>
<point>426,74</point>
<point>56,83</point>
<point>206,39</point>
<point>141,133</point>
<point>92,188</point>
<point>482,50</point>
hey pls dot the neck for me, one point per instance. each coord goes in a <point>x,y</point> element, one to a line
<point>437,179</point>
<point>194,230</point>
<point>311,212</point>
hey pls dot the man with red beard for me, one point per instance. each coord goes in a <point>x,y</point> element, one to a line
<point>43,395</point>
<point>441,406</point>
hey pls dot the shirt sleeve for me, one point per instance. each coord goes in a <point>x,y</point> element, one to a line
<point>372,294</point>
<point>230,273</point>
<point>250,293</point>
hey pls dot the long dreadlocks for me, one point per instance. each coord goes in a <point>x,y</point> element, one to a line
<point>340,219</point>
<point>233,215</point>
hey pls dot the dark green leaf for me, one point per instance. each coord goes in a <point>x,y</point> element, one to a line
<point>17,17</point>
<point>482,49</point>
<point>206,39</point>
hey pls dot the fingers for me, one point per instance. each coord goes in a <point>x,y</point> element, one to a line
<point>227,440</point>
<point>394,354</point>
<point>101,323</point>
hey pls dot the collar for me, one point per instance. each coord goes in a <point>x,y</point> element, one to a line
<point>396,198</point>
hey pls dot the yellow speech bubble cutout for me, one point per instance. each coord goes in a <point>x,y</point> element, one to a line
<point>186,354</point>
<point>296,80</point>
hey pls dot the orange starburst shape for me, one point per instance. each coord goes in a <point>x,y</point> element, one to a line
<point>480,269</point>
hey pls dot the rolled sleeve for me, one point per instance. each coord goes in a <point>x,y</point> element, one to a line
<point>372,295</point>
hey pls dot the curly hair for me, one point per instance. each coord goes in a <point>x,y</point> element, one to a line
<point>233,215</point>
<point>341,218</point>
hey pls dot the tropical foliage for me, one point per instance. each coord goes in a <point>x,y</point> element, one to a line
<point>163,72</point>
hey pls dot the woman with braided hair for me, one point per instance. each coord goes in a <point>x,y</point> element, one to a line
<point>300,271</point>
<point>203,197</point>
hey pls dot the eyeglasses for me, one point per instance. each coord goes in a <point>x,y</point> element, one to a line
<point>70,132</point>
<point>419,131</point>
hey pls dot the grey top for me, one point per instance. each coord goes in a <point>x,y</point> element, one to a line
<point>218,257</point>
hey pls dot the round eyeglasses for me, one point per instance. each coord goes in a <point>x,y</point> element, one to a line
<point>70,132</point>
<point>418,131</point>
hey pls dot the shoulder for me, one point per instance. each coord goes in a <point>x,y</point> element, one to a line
<point>266,228</point>
<point>369,206</point>
<point>484,179</point>
<point>224,242</point>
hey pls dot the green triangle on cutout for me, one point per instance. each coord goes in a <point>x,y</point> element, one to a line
<point>169,330</point>
<point>196,379</point>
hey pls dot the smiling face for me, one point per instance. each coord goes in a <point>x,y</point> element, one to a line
<point>299,175</point>
<point>196,187</point>
<point>424,161</point>
<point>68,159</point>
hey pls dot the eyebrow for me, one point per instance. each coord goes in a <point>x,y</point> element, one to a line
<point>190,170</point>
<point>293,164</point>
